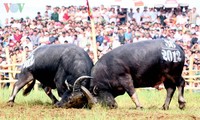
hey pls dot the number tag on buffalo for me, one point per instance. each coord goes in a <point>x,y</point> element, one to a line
<point>170,53</point>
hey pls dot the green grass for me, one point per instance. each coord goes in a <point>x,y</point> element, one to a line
<point>38,106</point>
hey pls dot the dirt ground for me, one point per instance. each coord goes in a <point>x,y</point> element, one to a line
<point>41,112</point>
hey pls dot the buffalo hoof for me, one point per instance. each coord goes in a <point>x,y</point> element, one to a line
<point>58,105</point>
<point>113,106</point>
<point>54,102</point>
<point>164,107</point>
<point>182,105</point>
<point>139,108</point>
<point>10,103</point>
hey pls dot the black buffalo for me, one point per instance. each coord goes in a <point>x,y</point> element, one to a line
<point>66,68</point>
<point>142,64</point>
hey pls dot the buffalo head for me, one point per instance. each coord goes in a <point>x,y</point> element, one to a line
<point>79,96</point>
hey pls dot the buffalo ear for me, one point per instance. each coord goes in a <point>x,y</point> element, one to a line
<point>90,98</point>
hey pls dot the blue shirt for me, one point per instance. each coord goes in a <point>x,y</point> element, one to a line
<point>128,36</point>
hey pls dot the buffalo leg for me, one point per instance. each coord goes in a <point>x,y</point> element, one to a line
<point>127,82</point>
<point>60,81</point>
<point>170,88</point>
<point>50,94</point>
<point>63,92</point>
<point>23,80</point>
<point>107,99</point>
<point>181,99</point>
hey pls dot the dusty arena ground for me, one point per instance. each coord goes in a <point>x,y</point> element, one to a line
<point>37,106</point>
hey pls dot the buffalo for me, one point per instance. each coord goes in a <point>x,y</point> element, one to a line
<point>66,68</point>
<point>143,64</point>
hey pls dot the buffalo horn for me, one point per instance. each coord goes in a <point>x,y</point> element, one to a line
<point>90,98</point>
<point>80,79</point>
<point>95,87</point>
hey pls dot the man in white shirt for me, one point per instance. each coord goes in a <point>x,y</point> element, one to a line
<point>62,38</point>
<point>137,16</point>
<point>145,15</point>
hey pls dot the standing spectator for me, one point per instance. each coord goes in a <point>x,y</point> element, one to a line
<point>137,16</point>
<point>121,15</point>
<point>113,16</point>
<point>153,14</point>
<point>55,15</point>
<point>48,10</point>
<point>66,15</point>
<point>46,16</point>
<point>145,15</point>
<point>130,15</point>
<point>78,15</point>
<point>162,18</point>
<point>61,13</point>
<point>105,14</point>
<point>193,16</point>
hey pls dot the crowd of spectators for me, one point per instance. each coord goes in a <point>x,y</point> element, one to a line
<point>114,26</point>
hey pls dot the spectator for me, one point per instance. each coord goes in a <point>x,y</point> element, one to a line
<point>137,16</point>
<point>113,16</point>
<point>71,25</point>
<point>55,15</point>
<point>121,15</point>
<point>145,16</point>
<point>18,35</point>
<point>44,38</point>
<point>35,38</point>
<point>38,17</point>
<point>27,44</point>
<point>130,15</point>
<point>193,16</point>
<point>128,35</point>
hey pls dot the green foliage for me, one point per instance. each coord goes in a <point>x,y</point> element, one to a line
<point>38,106</point>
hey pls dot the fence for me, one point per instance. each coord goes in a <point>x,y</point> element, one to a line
<point>12,68</point>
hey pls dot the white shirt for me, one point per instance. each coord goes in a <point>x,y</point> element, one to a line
<point>137,17</point>
<point>62,39</point>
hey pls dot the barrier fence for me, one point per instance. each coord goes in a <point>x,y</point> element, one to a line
<point>11,69</point>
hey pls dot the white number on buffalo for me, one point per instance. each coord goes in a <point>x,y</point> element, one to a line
<point>171,55</point>
<point>170,44</point>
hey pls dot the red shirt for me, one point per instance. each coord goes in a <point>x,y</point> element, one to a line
<point>66,16</point>
<point>18,37</point>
